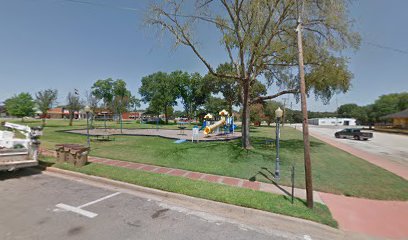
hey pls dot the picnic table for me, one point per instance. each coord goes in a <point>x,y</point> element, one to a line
<point>102,137</point>
<point>182,126</point>
<point>75,154</point>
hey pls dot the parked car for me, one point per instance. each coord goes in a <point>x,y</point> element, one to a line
<point>353,133</point>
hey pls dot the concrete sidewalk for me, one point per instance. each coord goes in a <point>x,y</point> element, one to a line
<point>369,217</point>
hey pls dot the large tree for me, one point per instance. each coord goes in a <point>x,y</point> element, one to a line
<point>73,105</point>
<point>354,111</point>
<point>230,88</point>
<point>389,103</point>
<point>214,105</point>
<point>269,111</point>
<point>21,105</point>
<point>260,40</point>
<point>44,100</point>
<point>193,90</point>
<point>103,89</point>
<point>121,99</point>
<point>160,90</point>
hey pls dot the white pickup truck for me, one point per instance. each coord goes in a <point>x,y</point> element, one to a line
<point>18,153</point>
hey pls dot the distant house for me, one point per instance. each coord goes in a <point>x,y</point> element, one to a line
<point>60,113</point>
<point>399,119</point>
<point>332,121</point>
<point>131,115</point>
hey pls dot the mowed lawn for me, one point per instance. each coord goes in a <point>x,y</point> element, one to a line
<point>334,170</point>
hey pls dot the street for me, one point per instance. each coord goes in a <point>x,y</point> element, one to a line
<point>393,147</point>
<point>37,205</point>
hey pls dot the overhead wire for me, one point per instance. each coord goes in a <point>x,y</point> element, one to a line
<point>299,13</point>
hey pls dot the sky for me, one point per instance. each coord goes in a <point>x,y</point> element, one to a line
<point>67,45</point>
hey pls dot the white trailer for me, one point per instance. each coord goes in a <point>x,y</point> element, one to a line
<point>18,153</point>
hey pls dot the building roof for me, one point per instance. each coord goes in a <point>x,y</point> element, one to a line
<point>402,114</point>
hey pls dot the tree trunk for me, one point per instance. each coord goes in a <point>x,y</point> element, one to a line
<point>71,118</point>
<point>230,108</point>
<point>165,115</point>
<point>43,121</point>
<point>245,117</point>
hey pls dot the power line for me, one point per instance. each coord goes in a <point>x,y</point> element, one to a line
<point>386,47</point>
<point>102,5</point>
<point>136,9</point>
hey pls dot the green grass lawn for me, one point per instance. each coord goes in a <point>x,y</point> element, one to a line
<point>212,191</point>
<point>334,170</point>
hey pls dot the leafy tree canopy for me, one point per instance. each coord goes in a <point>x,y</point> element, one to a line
<point>44,100</point>
<point>21,105</point>
<point>103,89</point>
<point>161,91</point>
<point>193,90</point>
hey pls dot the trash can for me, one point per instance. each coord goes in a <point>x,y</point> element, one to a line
<point>75,154</point>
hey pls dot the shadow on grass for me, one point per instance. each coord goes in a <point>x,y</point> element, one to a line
<point>270,177</point>
<point>289,144</point>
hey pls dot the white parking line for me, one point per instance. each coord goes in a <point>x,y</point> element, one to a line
<point>79,209</point>
<point>98,200</point>
<point>76,210</point>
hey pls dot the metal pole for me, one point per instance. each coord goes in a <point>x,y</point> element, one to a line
<point>277,166</point>
<point>104,122</point>
<point>293,182</point>
<point>87,130</point>
<point>121,123</point>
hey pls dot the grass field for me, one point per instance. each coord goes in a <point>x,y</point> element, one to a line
<point>334,170</point>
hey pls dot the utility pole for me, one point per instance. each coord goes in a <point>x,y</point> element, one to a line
<point>305,126</point>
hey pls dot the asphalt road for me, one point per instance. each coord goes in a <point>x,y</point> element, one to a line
<point>28,208</point>
<point>393,147</point>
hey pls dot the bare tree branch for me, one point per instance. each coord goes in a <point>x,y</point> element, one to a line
<point>263,98</point>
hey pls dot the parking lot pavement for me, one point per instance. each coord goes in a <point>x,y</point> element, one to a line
<point>393,147</point>
<point>29,210</point>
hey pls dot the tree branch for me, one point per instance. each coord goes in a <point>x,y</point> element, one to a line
<point>263,98</point>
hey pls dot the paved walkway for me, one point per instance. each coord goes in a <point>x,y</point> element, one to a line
<point>377,218</point>
<point>387,219</point>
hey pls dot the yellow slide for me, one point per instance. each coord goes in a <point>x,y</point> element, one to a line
<point>211,128</point>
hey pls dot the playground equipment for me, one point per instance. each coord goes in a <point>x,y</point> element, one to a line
<point>207,121</point>
<point>195,134</point>
<point>226,121</point>
<point>182,125</point>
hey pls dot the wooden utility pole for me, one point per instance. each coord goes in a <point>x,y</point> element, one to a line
<point>305,125</point>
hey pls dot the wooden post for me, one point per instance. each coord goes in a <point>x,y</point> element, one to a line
<point>306,143</point>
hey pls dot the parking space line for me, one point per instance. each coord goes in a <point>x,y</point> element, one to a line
<point>98,200</point>
<point>79,209</point>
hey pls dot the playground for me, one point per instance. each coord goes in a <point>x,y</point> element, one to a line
<point>212,129</point>
<point>182,134</point>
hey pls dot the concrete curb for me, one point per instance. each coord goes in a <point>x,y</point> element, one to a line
<point>257,219</point>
